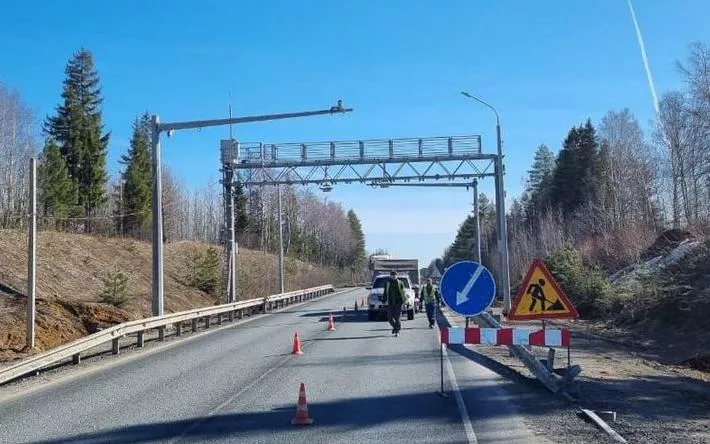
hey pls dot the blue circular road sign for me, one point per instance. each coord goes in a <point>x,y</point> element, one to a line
<point>468,288</point>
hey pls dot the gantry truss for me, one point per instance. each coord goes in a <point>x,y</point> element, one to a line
<point>358,161</point>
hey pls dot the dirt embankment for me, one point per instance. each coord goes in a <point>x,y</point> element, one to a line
<point>70,273</point>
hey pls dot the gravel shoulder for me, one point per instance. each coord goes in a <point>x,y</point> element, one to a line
<point>655,402</point>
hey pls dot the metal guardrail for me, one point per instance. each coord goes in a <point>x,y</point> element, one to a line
<point>114,334</point>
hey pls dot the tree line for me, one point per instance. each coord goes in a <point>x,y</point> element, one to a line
<point>612,187</point>
<point>76,192</point>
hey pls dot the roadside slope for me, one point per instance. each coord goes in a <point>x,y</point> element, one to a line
<point>70,273</point>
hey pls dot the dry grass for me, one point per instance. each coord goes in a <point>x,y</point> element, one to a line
<point>70,269</point>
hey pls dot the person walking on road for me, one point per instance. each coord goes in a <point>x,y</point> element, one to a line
<point>394,293</point>
<point>428,294</point>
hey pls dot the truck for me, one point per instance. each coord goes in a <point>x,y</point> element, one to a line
<point>383,264</point>
<point>407,273</point>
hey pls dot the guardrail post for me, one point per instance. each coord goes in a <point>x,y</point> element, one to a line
<point>140,341</point>
<point>219,318</point>
<point>178,329</point>
<point>161,333</point>
<point>240,314</point>
<point>116,346</point>
<point>207,322</point>
<point>194,325</point>
<point>231,316</point>
<point>76,359</point>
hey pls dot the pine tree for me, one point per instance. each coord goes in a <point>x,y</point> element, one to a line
<point>137,178</point>
<point>357,254</point>
<point>77,129</point>
<point>57,189</point>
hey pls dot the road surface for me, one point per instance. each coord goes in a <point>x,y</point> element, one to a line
<point>240,384</point>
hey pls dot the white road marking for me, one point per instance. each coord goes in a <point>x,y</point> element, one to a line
<point>470,434</point>
<point>462,296</point>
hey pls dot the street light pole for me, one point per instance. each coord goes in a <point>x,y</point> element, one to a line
<point>157,210</point>
<point>502,229</point>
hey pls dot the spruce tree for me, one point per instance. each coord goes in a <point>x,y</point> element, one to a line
<point>57,190</point>
<point>543,166</point>
<point>77,128</point>
<point>577,177</point>
<point>137,179</point>
<point>539,184</point>
<point>241,217</point>
<point>357,255</point>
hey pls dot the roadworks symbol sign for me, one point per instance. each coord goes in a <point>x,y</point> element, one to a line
<point>540,297</point>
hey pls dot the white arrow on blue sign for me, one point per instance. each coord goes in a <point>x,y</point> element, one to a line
<point>468,288</point>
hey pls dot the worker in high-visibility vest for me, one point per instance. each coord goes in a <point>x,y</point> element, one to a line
<point>428,294</point>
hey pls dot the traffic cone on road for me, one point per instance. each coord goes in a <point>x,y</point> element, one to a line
<point>296,345</point>
<point>301,417</point>
<point>331,324</point>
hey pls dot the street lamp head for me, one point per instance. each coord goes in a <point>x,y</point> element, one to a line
<point>464,93</point>
<point>338,108</point>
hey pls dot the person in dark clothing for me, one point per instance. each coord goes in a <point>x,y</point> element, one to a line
<point>394,293</point>
<point>428,294</point>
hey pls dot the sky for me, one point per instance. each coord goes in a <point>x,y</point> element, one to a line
<point>545,66</point>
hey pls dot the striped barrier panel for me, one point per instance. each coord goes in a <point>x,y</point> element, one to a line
<point>506,336</point>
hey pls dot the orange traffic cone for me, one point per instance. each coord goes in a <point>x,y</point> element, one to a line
<point>331,324</point>
<point>296,345</point>
<point>301,417</point>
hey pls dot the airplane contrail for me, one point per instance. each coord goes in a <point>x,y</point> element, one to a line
<point>644,56</point>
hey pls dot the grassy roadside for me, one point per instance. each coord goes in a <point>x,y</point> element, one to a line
<point>71,274</point>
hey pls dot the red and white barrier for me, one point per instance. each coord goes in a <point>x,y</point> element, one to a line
<point>506,336</point>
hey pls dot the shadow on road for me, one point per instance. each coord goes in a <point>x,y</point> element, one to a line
<point>359,414</point>
<point>349,338</point>
<point>339,316</point>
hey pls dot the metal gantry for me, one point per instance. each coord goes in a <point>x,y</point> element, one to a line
<point>430,161</point>
<point>359,161</point>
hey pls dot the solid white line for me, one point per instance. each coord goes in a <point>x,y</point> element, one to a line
<point>470,434</point>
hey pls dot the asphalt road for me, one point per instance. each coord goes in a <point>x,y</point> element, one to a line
<point>241,384</point>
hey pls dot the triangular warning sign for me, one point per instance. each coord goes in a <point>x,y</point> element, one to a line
<point>540,297</point>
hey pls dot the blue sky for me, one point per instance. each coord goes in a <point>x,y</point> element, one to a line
<point>545,65</point>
